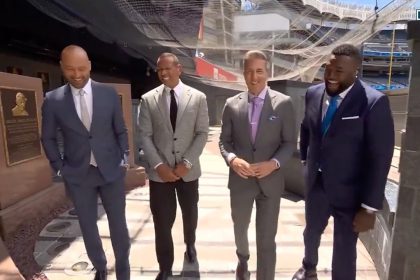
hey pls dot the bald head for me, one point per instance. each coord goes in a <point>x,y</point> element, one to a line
<point>73,50</point>
<point>75,65</point>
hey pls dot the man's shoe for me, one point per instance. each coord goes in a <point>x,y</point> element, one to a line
<point>100,275</point>
<point>164,275</point>
<point>305,274</point>
<point>242,272</point>
<point>191,254</point>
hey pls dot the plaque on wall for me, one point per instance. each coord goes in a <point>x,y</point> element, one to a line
<point>20,124</point>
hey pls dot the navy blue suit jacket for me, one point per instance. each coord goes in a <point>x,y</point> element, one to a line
<point>107,138</point>
<point>355,154</point>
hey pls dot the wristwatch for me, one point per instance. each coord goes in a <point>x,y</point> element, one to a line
<point>187,163</point>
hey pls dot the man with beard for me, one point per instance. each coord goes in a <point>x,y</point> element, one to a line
<point>346,144</point>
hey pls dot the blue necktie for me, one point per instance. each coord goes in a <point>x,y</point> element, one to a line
<point>332,108</point>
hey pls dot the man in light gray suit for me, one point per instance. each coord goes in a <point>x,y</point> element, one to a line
<point>174,125</point>
<point>95,154</point>
<point>258,137</point>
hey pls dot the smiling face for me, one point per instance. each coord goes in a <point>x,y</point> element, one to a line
<point>169,70</point>
<point>255,74</point>
<point>340,73</point>
<point>75,66</point>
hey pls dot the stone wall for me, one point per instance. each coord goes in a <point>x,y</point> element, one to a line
<point>405,253</point>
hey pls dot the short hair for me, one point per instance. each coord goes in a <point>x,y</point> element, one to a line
<point>348,50</point>
<point>168,54</point>
<point>256,54</point>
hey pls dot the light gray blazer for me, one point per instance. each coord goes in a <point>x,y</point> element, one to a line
<point>276,138</point>
<point>160,143</point>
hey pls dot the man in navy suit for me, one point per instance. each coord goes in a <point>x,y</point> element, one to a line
<point>94,160</point>
<point>346,144</point>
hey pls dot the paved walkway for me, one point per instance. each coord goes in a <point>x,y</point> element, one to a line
<point>61,252</point>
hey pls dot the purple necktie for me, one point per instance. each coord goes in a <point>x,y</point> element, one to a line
<point>256,108</point>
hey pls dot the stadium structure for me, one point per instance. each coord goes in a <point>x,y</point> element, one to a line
<point>299,35</point>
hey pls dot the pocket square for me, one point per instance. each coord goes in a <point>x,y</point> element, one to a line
<point>272,118</point>
<point>350,118</point>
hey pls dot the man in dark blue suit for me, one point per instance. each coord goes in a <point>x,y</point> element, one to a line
<point>94,160</point>
<point>346,144</point>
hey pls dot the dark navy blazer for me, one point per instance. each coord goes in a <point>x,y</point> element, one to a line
<point>355,154</point>
<point>107,137</point>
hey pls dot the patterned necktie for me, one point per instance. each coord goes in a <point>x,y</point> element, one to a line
<point>255,116</point>
<point>332,108</point>
<point>86,120</point>
<point>173,109</point>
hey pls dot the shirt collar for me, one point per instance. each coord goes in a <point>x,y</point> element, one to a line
<point>87,88</point>
<point>261,95</point>
<point>178,89</point>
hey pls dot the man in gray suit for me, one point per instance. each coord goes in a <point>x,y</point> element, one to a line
<point>95,155</point>
<point>258,137</point>
<point>174,125</point>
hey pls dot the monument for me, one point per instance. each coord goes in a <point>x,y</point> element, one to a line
<point>136,175</point>
<point>26,188</point>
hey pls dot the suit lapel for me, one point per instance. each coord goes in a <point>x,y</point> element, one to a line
<point>243,117</point>
<point>266,112</point>
<point>96,106</point>
<point>162,105</point>
<point>184,99</point>
<point>318,104</point>
<point>72,110</point>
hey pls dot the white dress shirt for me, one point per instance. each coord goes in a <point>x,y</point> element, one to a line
<point>88,97</point>
<point>178,91</point>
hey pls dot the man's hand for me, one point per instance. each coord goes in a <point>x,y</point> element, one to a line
<point>262,169</point>
<point>363,221</point>
<point>166,173</point>
<point>242,168</point>
<point>181,170</point>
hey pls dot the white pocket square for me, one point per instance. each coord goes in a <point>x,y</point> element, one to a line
<point>350,118</point>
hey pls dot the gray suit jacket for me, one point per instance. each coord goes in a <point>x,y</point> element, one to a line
<point>276,138</point>
<point>158,141</point>
<point>107,138</point>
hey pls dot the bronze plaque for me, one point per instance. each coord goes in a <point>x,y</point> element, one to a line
<point>20,125</point>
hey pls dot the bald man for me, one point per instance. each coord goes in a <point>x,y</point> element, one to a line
<point>94,159</point>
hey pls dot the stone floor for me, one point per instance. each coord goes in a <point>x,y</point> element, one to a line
<point>61,252</point>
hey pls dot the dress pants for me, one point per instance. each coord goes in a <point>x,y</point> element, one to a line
<point>318,209</point>
<point>163,205</point>
<point>267,213</point>
<point>85,198</point>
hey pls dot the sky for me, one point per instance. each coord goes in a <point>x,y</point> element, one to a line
<point>381,3</point>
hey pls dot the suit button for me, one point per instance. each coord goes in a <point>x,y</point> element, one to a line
<point>175,139</point>
<point>90,136</point>
<point>254,149</point>
<point>173,152</point>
